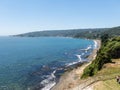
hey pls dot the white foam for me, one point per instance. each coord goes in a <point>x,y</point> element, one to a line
<point>85,51</point>
<point>95,44</point>
<point>48,84</point>
<point>53,74</point>
<point>79,60</point>
<point>79,57</point>
<point>69,64</point>
<point>88,48</point>
<point>82,53</point>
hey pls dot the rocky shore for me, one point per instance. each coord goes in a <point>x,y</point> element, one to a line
<point>70,80</point>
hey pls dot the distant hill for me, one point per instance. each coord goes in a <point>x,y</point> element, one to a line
<point>76,33</point>
<point>113,31</point>
<point>82,33</point>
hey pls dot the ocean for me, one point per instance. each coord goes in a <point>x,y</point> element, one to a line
<point>36,63</point>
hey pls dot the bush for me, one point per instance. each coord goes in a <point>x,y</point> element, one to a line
<point>109,49</point>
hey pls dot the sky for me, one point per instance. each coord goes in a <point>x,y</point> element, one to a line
<point>21,16</point>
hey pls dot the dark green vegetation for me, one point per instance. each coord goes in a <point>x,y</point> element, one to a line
<point>110,49</point>
<point>76,33</point>
<point>113,31</point>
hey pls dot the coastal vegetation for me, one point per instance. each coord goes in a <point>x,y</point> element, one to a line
<point>95,33</point>
<point>107,76</point>
<point>76,33</point>
<point>109,50</point>
<point>105,79</point>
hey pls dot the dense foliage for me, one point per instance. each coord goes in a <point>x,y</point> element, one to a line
<point>113,31</point>
<point>76,33</point>
<point>110,49</point>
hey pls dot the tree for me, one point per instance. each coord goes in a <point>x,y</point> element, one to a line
<point>104,38</point>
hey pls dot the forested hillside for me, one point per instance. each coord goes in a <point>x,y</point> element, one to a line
<point>110,49</point>
<point>76,33</point>
<point>113,31</point>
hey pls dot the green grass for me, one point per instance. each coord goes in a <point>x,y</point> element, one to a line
<point>109,49</point>
<point>108,85</point>
<point>106,78</point>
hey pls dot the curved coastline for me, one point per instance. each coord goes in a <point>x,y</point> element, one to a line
<point>54,78</point>
<point>70,79</point>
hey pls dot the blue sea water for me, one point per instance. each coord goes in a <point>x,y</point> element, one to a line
<point>34,63</point>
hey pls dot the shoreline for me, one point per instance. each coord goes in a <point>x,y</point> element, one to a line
<point>71,79</point>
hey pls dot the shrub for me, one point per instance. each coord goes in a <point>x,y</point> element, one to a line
<point>109,49</point>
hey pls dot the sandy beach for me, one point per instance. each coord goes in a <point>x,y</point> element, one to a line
<point>70,80</point>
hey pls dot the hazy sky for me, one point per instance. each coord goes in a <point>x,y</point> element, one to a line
<point>19,16</point>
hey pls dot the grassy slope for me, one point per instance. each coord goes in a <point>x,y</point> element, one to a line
<point>107,76</point>
<point>104,68</point>
<point>109,49</point>
<point>107,85</point>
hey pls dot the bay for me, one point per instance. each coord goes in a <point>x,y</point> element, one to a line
<point>27,62</point>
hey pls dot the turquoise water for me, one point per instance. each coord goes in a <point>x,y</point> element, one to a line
<point>32,62</point>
